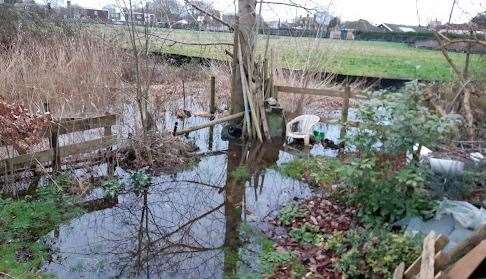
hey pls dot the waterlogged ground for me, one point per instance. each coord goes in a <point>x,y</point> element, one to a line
<point>187,225</point>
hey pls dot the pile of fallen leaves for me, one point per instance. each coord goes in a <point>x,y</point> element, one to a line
<point>19,128</point>
<point>325,217</point>
<point>161,152</point>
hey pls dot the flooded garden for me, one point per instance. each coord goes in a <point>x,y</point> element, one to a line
<point>117,162</point>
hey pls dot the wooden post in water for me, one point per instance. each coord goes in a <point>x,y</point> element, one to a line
<point>212,96</point>
<point>56,156</point>
<point>345,112</point>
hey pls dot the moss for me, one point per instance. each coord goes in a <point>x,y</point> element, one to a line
<point>241,174</point>
<point>24,221</point>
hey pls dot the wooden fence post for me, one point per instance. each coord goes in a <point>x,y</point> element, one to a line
<point>212,97</point>
<point>345,112</point>
<point>54,142</point>
<point>56,156</point>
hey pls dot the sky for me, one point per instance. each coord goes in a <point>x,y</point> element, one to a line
<point>375,11</point>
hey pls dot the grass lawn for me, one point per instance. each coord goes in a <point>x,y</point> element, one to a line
<point>359,58</point>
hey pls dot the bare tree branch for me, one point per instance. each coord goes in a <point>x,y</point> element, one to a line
<point>231,27</point>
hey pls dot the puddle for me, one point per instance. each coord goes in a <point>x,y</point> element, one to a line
<point>187,225</point>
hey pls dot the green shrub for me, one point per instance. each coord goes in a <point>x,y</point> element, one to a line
<point>382,198</point>
<point>372,254</point>
<point>393,123</point>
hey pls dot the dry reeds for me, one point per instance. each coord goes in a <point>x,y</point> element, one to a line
<point>77,75</point>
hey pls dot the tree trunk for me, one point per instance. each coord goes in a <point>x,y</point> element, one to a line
<point>245,34</point>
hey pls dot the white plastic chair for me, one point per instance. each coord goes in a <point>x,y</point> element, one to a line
<point>304,128</point>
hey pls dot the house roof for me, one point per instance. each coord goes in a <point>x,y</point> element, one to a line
<point>360,25</point>
<point>389,27</point>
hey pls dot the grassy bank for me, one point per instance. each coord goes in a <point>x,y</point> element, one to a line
<point>359,58</point>
<point>24,221</point>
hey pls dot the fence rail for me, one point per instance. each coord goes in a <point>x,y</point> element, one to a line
<point>56,153</point>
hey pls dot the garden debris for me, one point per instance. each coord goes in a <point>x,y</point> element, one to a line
<point>21,129</point>
<point>163,152</point>
<point>454,219</point>
<point>460,262</point>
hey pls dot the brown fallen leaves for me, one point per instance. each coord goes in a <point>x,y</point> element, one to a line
<point>326,217</point>
<point>19,128</point>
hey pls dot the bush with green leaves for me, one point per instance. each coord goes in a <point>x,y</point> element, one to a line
<point>394,123</point>
<point>381,198</point>
<point>375,253</point>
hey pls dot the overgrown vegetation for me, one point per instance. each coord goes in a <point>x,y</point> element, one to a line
<point>318,171</point>
<point>383,198</point>
<point>25,221</point>
<point>373,253</point>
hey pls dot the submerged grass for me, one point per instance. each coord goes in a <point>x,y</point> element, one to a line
<point>25,221</point>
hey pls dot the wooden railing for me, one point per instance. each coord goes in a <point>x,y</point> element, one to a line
<point>54,155</point>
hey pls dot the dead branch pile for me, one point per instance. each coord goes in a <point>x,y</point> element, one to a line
<point>467,93</point>
<point>163,153</point>
<point>19,128</point>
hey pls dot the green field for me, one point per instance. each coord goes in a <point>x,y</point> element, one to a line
<point>359,58</point>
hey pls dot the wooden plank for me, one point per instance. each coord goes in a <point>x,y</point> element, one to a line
<point>398,274</point>
<point>414,268</point>
<point>316,92</point>
<point>428,254</point>
<point>465,246</point>
<point>64,151</point>
<point>78,125</point>
<point>466,266</point>
<point>210,123</point>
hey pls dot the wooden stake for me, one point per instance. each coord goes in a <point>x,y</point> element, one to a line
<point>212,97</point>
<point>428,253</point>
<point>345,112</point>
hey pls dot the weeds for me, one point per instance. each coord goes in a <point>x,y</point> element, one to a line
<point>112,188</point>
<point>24,221</point>
<point>140,180</point>
<point>307,234</point>
<point>290,212</point>
<point>372,253</point>
<point>318,171</point>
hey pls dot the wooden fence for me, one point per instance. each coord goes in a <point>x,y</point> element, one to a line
<point>54,155</point>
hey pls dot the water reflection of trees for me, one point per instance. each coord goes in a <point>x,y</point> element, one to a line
<point>186,226</point>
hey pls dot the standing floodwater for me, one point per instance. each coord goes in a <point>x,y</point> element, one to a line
<point>187,225</point>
